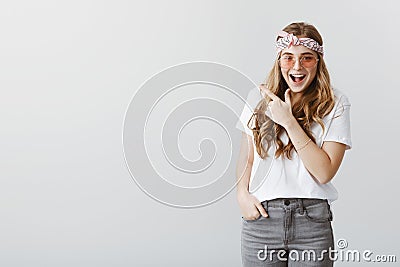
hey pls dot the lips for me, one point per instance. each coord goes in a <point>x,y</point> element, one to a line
<point>297,78</point>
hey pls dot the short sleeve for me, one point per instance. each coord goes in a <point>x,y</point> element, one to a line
<point>339,127</point>
<point>253,98</point>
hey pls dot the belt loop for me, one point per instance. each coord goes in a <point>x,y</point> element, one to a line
<point>301,206</point>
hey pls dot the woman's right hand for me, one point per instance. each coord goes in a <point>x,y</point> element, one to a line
<point>249,206</point>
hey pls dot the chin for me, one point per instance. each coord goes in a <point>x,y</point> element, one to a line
<point>297,89</point>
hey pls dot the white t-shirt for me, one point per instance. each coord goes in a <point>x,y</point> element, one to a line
<point>283,178</point>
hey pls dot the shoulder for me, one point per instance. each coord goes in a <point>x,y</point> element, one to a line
<point>340,98</point>
<point>255,93</point>
<point>254,96</point>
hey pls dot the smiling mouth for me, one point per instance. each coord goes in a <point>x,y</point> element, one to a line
<point>297,78</point>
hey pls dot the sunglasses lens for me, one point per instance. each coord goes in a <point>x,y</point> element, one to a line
<point>287,62</point>
<point>308,62</point>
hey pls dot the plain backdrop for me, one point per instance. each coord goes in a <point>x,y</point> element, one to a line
<point>68,70</point>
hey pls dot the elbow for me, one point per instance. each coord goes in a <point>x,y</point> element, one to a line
<point>243,167</point>
<point>325,178</point>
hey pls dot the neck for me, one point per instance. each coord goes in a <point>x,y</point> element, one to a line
<point>296,97</point>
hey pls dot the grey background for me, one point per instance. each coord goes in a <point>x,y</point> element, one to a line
<point>68,70</point>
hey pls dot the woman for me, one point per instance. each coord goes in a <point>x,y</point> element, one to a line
<point>302,124</point>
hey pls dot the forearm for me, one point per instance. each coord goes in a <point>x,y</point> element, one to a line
<point>243,172</point>
<point>250,206</point>
<point>322,163</point>
<point>314,158</point>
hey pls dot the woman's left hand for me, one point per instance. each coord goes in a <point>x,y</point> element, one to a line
<point>281,111</point>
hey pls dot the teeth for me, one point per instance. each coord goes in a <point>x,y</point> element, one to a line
<point>298,75</point>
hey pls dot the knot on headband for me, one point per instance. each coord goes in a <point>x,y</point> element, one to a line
<point>288,39</point>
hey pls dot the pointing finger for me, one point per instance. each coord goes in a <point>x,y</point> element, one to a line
<point>288,99</point>
<point>270,94</point>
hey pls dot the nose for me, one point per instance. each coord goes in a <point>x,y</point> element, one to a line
<point>297,64</point>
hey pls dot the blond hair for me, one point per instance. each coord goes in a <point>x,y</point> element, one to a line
<point>316,102</point>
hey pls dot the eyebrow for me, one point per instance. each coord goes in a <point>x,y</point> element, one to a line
<point>305,53</point>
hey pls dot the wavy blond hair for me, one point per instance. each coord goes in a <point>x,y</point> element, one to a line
<point>316,102</point>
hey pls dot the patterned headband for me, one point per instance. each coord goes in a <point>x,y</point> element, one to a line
<point>289,39</point>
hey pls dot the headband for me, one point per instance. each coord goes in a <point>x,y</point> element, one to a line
<point>288,39</point>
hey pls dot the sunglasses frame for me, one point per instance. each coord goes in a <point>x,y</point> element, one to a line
<point>301,63</point>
